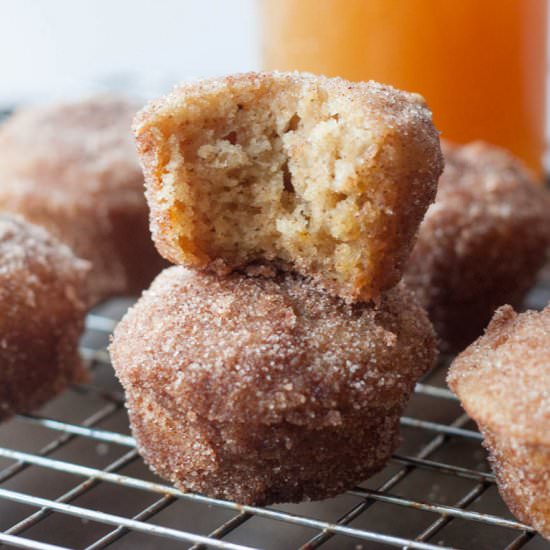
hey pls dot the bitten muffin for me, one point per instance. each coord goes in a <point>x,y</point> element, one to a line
<point>322,176</point>
<point>264,390</point>
<point>72,168</point>
<point>481,243</point>
<point>503,382</point>
<point>42,307</point>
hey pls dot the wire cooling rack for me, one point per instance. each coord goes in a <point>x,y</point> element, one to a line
<point>70,477</point>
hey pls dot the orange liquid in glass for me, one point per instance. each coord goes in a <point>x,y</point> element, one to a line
<point>481,64</point>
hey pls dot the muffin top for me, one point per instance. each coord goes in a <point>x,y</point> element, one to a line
<point>77,148</point>
<point>503,379</point>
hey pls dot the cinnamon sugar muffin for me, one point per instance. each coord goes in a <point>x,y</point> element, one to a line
<point>503,382</point>
<point>42,308</point>
<point>264,390</point>
<point>481,243</point>
<point>72,168</point>
<point>322,176</point>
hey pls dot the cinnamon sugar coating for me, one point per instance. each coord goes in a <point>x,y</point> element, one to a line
<point>319,175</point>
<point>503,382</point>
<point>481,243</point>
<point>42,307</point>
<point>267,390</point>
<point>72,168</point>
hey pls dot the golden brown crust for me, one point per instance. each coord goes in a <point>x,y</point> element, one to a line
<point>42,304</point>
<point>72,168</point>
<point>503,382</point>
<point>373,147</point>
<point>481,243</point>
<point>236,385</point>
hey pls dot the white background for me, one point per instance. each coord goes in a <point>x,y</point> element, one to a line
<point>52,48</point>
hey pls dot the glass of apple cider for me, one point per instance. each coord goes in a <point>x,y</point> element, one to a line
<point>481,64</point>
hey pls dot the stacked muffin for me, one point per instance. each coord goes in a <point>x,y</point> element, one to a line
<point>274,362</point>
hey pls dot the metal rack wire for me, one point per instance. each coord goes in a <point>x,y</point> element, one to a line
<point>70,477</point>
